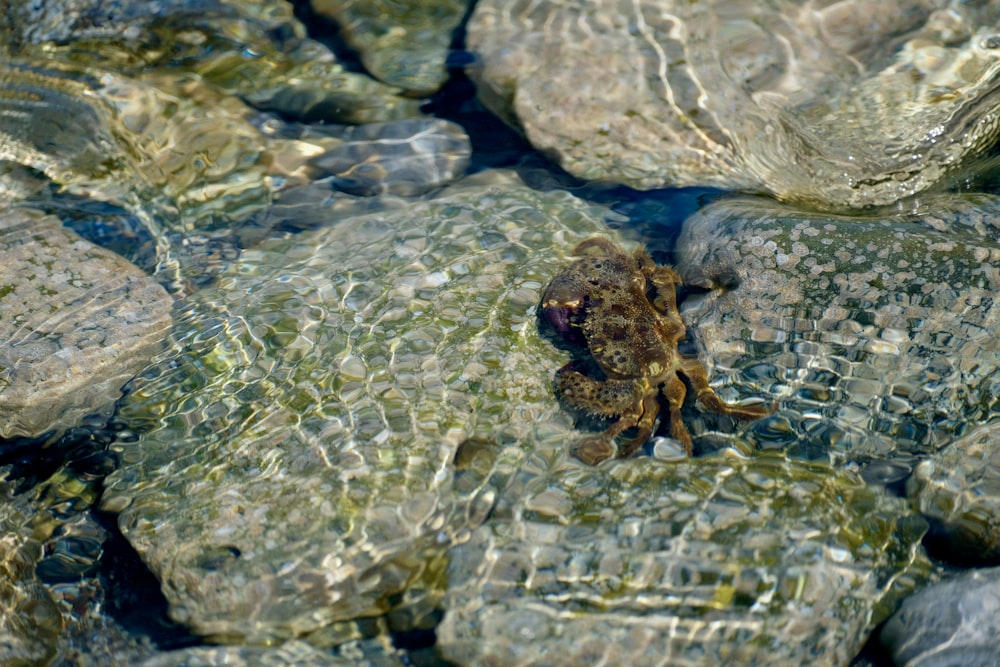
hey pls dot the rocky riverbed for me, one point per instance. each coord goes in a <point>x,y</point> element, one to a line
<point>275,388</point>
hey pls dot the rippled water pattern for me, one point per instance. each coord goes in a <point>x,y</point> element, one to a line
<point>274,388</point>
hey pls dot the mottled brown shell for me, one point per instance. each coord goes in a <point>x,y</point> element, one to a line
<point>623,309</point>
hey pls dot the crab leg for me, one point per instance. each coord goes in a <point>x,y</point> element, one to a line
<point>609,398</point>
<point>696,375</point>
<point>647,419</point>
<point>675,390</point>
<point>665,279</point>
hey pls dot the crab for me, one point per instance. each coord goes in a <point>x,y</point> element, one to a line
<point>623,309</point>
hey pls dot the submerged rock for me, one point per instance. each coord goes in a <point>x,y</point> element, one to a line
<point>711,561</point>
<point>839,106</point>
<point>952,623</point>
<point>255,49</point>
<point>290,654</point>
<point>404,44</point>
<point>157,110</point>
<point>29,618</point>
<point>876,336</point>
<point>405,158</point>
<point>76,322</point>
<point>186,155</point>
<point>295,465</point>
<point>958,490</point>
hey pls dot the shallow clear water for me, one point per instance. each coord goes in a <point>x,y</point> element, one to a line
<point>350,435</point>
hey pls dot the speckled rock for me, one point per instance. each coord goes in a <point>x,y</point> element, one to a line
<point>404,44</point>
<point>955,623</point>
<point>837,104</point>
<point>958,490</point>
<point>709,561</point>
<point>295,467</point>
<point>876,336</point>
<point>76,322</point>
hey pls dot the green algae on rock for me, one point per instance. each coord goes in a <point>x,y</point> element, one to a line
<point>77,322</point>
<point>958,490</point>
<point>876,336</point>
<point>404,44</point>
<point>294,466</point>
<point>711,561</point>
<point>840,105</point>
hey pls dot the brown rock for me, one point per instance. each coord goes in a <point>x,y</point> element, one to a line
<point>76,322</point>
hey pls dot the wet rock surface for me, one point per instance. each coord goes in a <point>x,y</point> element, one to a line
<point>352,430</point>
<point>405,158</point>
<point>875,336</point>
<point>30,621</point>
<point>78,321</point>
<point>958,490</point>
<point>402,44</point>
<point>295,463</point>
<point>954,622</point>
<point>834,105</point>
<point>719,560</point>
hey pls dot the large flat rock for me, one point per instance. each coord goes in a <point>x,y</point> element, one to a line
<point>875,335</point>
<point>837,104</point>
<point>712,561</point>
<point>295,463</point>
<point>76,322</point>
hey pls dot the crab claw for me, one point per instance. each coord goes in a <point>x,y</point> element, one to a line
<point>560,316</point>
<point>562,306</point>
<point>594,450</point>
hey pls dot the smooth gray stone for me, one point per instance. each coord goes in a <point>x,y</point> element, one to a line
<point>955,623</point>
